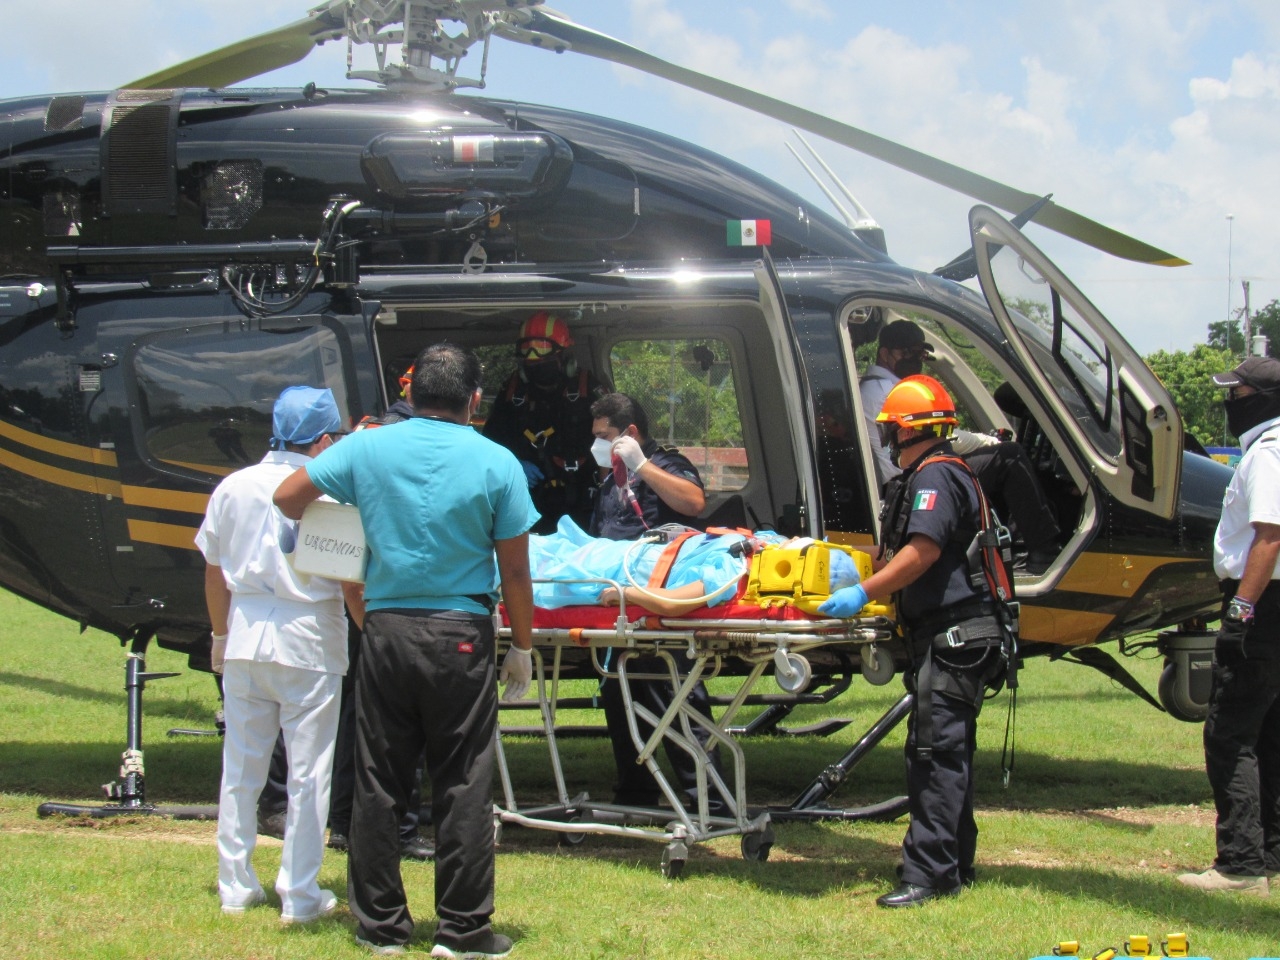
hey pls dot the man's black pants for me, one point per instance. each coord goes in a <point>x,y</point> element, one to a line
<point>1242,744</point>
<point>426,681</point>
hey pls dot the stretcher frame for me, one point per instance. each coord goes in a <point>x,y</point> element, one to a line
<point>708,643</point>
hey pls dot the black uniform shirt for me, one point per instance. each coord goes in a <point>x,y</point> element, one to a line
<point>616,519</point>
<point>943,507</point>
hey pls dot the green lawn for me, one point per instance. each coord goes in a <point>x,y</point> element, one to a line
<point>1108,801</point>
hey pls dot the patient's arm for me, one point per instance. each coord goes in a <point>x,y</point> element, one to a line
<point>667,601</point>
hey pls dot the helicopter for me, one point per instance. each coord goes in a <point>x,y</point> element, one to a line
<point>178,250</point>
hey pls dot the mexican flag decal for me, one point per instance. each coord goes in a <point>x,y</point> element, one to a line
<point>748,233</point>
<point>925,500</point>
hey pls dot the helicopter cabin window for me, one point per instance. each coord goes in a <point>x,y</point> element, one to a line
<point>1076,361</point>
<point>687,388</point>
<point>205,395</point>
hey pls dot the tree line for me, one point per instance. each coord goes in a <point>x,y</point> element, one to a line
<point>1186,373</point>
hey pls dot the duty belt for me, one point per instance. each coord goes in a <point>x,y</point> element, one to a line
<point>975,633</point>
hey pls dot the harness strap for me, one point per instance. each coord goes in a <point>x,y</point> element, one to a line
<point>667,559</point>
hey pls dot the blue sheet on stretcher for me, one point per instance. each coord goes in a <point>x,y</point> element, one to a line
<point>572,554</point>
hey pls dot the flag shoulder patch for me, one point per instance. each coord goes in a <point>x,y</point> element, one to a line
<point>925,500</point>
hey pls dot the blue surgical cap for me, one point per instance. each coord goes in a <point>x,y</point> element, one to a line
<point>302,415</point>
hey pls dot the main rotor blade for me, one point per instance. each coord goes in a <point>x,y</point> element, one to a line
<point>249,58</point>
<point>594,44</point>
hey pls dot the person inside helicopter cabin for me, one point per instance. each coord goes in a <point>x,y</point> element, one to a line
<point>1003,468</point>
<point>542,414</point>
<point>646,486</point>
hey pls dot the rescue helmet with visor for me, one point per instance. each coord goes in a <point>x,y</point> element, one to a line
<point>543,335</point>
<point>918,403</point>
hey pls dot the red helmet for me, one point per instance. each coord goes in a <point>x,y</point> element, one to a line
<point>542,335</point>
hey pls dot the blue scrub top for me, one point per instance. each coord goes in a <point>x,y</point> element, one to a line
<point>433,497</point>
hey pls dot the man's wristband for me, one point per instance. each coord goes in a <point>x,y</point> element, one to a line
<point>1240,609</point>
<point>218,636</point>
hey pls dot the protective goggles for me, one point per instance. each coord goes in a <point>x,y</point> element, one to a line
<point>536,349</point>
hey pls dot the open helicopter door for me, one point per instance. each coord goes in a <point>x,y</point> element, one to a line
<point>1113,408</point>
<point>796,398</point>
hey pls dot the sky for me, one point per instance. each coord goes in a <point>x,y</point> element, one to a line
<point>1160,119</point>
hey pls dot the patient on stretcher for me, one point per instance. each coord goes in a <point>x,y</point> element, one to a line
<point>706,571</point>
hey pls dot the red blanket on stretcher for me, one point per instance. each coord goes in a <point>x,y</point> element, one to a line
<point>604,618</point>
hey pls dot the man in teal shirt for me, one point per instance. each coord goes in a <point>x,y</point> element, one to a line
<point>438,502</point>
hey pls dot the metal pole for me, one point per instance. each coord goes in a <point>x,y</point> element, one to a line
<point>1230,226</point>
<point>1248,338</point>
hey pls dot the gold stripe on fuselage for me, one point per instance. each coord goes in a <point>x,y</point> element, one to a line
<point>73,451</point>
<point>1114,574</point>
<point>163,534</point>
<point>85,482</point>
<point>162,499</point>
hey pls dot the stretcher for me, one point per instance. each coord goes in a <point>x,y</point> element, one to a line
<point>741,639</point>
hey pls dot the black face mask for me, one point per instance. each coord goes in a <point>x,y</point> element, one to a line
<point>908,366</point>
<point>1246,412</point>
<point>544,374</point>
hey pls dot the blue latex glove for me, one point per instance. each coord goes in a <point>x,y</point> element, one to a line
<point>532,473</point>
<point>845,602</point>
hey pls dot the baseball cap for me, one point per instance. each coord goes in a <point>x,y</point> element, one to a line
<point>902,334</point>
<point>302,415</point>
<point>1261,373</point>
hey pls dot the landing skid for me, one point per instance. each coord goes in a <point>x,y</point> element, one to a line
<point>811,804</point>
<point>127,797</point>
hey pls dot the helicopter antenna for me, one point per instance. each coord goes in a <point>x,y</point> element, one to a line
<point>860,220</point>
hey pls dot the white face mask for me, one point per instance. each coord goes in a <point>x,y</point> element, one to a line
<point>601,452</point>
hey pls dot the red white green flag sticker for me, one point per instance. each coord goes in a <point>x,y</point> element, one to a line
<point>749,233</point>
<point>925,500</point>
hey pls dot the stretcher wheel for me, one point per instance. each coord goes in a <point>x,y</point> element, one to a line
<point>791,671</point>
<point>756,846</point>
<point>877,665</point>
<point>570,838</point>
<point>673,857</point>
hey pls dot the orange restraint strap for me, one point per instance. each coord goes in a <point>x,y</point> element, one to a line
<point>667,559</point>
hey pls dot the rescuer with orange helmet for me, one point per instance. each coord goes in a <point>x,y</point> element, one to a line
<point>957,627</point>
<point>542,414</point>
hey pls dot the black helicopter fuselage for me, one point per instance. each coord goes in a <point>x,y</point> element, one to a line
<point>146,237</point>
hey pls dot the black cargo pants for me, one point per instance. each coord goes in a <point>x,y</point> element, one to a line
<point>426,681</point>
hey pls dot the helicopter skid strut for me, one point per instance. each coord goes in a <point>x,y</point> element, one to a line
<point>127,797</point>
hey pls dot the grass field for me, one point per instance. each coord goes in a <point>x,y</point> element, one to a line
<point>1107,803</point>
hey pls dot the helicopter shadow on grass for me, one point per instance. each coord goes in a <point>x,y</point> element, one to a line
<point>1154,895</point>
<point>172,708</point>
<point>817,860</point>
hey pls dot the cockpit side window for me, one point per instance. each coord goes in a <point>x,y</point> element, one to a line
<point>205,395</point>
<point>688,390</point>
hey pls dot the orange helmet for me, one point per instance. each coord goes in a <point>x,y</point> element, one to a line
<point>918,401</point>
<point>542,335</point>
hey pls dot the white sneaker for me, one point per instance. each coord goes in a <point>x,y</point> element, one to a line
<point>382,949</point>
<point>498,947</point>
<point>233,909</point>
<point>1212,881</point>
<point>328,904</point>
